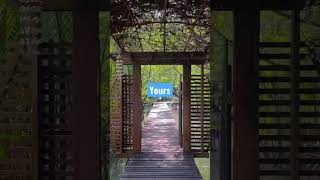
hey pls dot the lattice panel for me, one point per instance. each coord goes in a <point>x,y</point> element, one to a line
<point>127,115</point>
<point>55,131</point>
<point>116,110</point>
<point>276,125</point>
<point>200,114</point>
<point>16,100</point>
<point>15,116</point>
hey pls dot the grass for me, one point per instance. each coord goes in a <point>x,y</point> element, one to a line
<point>203,165</point>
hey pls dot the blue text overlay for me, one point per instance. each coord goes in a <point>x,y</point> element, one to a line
<point>160,89</point>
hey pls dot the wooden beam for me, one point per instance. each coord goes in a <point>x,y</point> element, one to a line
<point>176,58</point>
<point>69,5</point>
<point>137,109</point>
<point>186,103</point>
<point>226,5</point>
<point>245,88</point>
<point>85,87</point>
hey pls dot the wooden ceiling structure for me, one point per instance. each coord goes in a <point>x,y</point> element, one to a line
<point>160,25</point>
<point>162,58</point>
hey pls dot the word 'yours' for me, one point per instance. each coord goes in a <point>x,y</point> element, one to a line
<point>159,91</point>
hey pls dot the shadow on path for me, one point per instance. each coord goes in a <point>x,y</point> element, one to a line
<point>160,133</point>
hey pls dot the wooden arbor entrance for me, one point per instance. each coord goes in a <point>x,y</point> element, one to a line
<point>126,121</point>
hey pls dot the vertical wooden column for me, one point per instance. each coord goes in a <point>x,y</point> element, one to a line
<point>180,113</point>
<point>35,117</point>
<point>225,146</point>
<point>186,103</point>
<point>85,88</point>
<point>246,41</point>
<point>137,109</point>
<point>295,97</point>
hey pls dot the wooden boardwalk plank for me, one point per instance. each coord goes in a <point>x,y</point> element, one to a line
<point>162,157</point>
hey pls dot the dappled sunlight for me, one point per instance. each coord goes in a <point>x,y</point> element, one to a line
<point>160,133</point>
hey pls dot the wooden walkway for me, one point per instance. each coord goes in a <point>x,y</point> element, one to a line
<point>161,157</point>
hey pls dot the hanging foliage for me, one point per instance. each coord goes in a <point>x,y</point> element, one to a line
<point>139,26</point>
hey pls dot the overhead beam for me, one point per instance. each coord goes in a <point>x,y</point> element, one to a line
<point>260,4</point>
<point>69,5</point>
<point>176,58</point>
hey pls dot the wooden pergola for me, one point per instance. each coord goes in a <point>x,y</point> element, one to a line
<point>136,59</point>
<point>235,146</point>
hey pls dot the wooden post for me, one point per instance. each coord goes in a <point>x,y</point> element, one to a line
<point>35,115</point>
<point>246,49</point>
<point>180,113</point>
<point>186,102</point>
<point>137,109</point>
<point>294,150</point>
<point>85,88</point>
<point>225,143</point>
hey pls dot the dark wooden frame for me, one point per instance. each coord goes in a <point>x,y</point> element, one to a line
<point>85,108</point>
<point>169,58</point>
<point>245,89</point>
<point>186,108</point>
<point>69,5</point>
<point>137,108</point>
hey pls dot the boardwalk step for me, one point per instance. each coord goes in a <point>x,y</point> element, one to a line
<point>161,178</point>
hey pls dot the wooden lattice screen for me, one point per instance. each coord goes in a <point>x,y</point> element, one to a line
<point>289,111</point>
<point>16,118</point>
<point>127,115</point>
<point>116,110</point>
<point>200,114</point>
<point>18,145</point>
<point>54,107</point>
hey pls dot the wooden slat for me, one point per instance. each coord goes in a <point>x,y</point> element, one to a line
<point>274,68</point>
<point>287,102</point>
<point>275,56</point>
<point>275,44</point>
<point>69,5</point>
<point>287,91</point>
<point>274,172</point>
<point>226,5</point>
<point>274,79</point>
